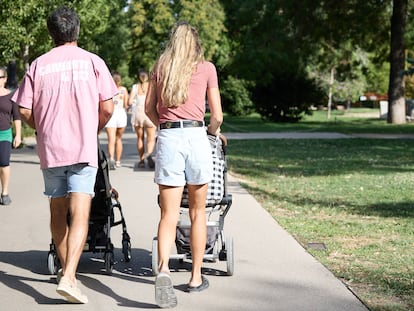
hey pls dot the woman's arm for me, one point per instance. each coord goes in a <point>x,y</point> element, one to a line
<point>132,95</point>
<point>126,98</point>
<point>151,102</point>
<point>18,131</point>
<point>216,113</point>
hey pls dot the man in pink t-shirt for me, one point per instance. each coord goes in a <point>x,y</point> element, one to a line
<point>66,96</point>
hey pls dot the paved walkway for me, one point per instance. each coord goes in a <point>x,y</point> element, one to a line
<point>272,271</point>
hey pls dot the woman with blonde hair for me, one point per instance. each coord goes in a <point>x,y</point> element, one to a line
<point>179,83</point>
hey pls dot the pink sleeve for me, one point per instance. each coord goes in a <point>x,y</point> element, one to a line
<point>23,96</point>
<point>105,83</point>
<point>212,79</point>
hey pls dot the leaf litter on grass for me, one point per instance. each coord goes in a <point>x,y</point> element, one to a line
<point>355,196</point>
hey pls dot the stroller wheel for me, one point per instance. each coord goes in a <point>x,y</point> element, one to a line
<point>126,250</point>
<point>154,256</point>
<point>230,256</point>
<point>52,262</point>
<point>109,262</point>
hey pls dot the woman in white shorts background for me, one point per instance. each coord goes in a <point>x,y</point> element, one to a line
<point>116,125</point>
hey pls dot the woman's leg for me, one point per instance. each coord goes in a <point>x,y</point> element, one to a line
<point>4,178</point>
<point>197,200</point>
<point>118,143</point>
<point>140,142</point>
<point>5,152</point>
<point>170,199</point>
<point>111,133</point>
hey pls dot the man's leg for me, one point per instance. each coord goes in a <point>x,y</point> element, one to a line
<point>59,208</point>
<point>79,207</point>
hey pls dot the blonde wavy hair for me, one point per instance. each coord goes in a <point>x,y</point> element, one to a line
<point>177,63</point>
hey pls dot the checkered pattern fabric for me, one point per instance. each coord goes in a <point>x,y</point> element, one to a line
<point>216,186</point>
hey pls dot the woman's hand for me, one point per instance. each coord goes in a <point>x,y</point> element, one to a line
<point>17,141</point>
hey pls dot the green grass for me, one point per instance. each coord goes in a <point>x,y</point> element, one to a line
<point>354,195</point>
<point>356,120</point>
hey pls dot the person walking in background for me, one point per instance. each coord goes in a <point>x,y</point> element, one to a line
<point>66,96</point>
<point>8,112</point>
<point>179,83</point>
<point>115,127</point>
<point>143,126</point>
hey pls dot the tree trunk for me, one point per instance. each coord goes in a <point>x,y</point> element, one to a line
<point>26,58</point>
<point>396,100</point>
<point>331,82</point>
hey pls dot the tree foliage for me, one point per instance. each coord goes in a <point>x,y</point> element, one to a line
<point>152,20</point>
<point>25,33</point>
<point>112,43</point>
<point>255,44</point>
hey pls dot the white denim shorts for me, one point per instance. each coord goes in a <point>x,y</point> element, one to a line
<point>118,119</point>
<point>60,181</point>
<point>183,157</point>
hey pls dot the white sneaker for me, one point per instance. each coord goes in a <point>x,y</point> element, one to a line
<point>70,292</point>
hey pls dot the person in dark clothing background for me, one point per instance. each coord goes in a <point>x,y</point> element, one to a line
<point>8,112</point>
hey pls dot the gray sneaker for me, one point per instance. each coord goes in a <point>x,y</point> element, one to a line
<point>164,291</point>
<point>5,199</point>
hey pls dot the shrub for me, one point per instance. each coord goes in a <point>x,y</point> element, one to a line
<point>287,98</point>
<point>236,96</point>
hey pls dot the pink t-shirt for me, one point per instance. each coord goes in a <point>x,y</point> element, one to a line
<point>63,88</point>
<point>194,108</point>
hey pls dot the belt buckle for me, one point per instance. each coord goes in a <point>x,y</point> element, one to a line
<point>168,125</point>
<point>195,123</point>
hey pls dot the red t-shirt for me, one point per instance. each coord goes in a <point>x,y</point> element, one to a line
<point>194,108</point>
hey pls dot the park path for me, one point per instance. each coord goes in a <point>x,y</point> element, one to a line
<point>272,270</point>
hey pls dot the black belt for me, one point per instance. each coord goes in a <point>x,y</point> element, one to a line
<point>180,124</point>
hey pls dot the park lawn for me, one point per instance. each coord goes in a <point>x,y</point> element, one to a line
<point>356,120</point>
<point>354,195</point>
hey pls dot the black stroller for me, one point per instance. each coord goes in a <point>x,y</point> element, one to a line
<point>101,219</point>
<point>218,246</point>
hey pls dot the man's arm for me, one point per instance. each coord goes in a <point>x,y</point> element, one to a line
<point>27,116</point>
<point>106,108</point>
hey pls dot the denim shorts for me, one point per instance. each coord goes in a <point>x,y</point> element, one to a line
<point>60,181</point>
<point>183,157</point>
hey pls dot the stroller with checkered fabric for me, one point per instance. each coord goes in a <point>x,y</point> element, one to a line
<point>218,203</point>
